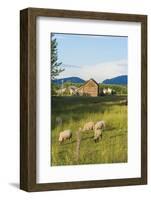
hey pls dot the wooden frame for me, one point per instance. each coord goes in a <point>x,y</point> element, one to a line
<point>28,98</point>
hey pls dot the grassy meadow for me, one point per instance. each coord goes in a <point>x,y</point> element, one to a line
<point>75,111</point>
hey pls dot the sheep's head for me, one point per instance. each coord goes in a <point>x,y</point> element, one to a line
<point>60,139</point>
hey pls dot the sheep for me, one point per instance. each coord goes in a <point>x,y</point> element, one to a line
<point>88,126</point>
<point>97,135</point>
<point>64,135</point>
<point>99,125</point>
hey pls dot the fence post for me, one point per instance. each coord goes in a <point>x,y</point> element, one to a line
<point>78,145</point>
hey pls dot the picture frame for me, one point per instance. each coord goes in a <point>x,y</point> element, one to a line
<point>28,98</point>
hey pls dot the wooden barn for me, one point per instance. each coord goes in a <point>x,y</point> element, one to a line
<point>89,88</point>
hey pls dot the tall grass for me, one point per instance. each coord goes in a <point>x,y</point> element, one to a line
<point>75,112</point>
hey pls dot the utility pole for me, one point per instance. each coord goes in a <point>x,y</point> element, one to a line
<point>62,87</point>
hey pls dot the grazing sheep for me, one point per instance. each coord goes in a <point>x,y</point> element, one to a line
<point>88,126</point>
<point>64,135</point>
<point>99,125</point>
<point>59,121</point>
<point>97,135</point>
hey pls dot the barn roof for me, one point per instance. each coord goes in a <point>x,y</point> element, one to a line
<point>87,82</point>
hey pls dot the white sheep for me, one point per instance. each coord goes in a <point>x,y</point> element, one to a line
<point>99,125</point>
<point>97,135</point>
<point>88,126</point>
<point>64,135</point>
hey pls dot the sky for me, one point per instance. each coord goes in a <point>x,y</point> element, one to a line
<point>92,56</point>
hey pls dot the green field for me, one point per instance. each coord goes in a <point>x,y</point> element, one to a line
<point>75,112</point>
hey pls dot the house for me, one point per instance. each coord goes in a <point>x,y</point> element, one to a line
<point>61,91</point>
<point>106,91</point>
<point>72,90</point>
<point>89,88</point>
<point>109,91</point>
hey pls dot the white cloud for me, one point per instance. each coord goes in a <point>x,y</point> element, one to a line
<point>70,66</point>
<point>98,72</point>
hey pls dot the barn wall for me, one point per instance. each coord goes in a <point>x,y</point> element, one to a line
<point>90,89</point>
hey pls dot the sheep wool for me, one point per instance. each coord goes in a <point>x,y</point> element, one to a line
<point>97,135</point>
<point>99,125</point>
<point>88,126</point>
<point>64,135</point>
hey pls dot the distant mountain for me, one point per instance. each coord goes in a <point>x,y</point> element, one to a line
<point>69,79</point>
<point>119,80</point>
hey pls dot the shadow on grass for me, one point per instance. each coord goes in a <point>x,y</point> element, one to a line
<point>87,138</point>
<point>74,141</point>
<point>67,143</point>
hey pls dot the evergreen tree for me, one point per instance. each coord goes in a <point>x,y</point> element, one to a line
<point>55,69</point>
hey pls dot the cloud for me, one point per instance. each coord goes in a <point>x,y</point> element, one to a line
<point>70,66</point>
<point>99,71</point>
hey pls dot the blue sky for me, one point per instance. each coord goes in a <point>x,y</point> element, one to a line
<point>92,56</point>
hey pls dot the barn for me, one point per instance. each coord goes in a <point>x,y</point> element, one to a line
<point>89,88</point>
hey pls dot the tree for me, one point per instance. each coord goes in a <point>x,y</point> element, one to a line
<point>55,69</point>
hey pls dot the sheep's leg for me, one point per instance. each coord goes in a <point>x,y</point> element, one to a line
<point>95,140</point>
